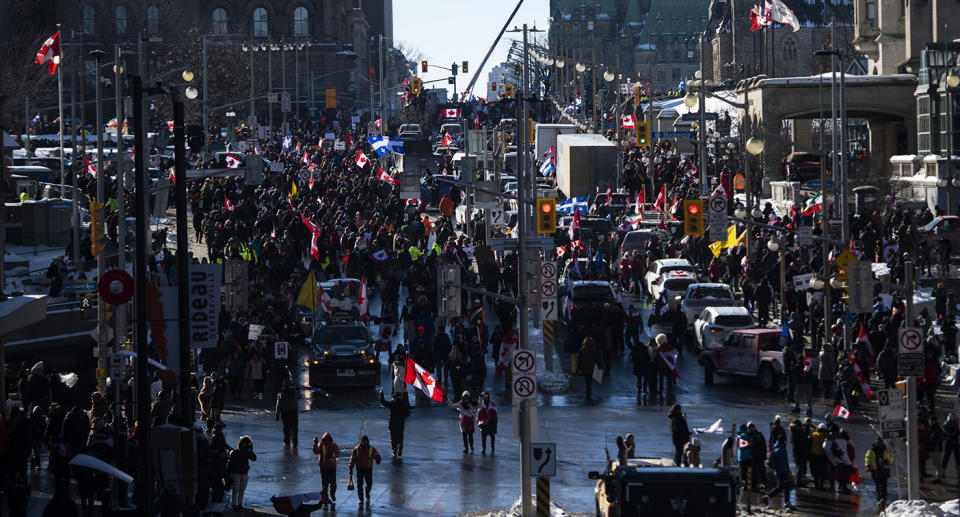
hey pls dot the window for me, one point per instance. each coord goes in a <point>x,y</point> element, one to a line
<point>871,10</point>
<point>220,21</point>
<point>675,74</point>
<point>89,19</point>
<point>153,19</point>
<point>300,25</point>
<point>260,23</point>
<point>789,50</point>
<point>120,15</point>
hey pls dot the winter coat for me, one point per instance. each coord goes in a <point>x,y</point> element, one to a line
<point>691,454</point>
<point>679,430</point>
<point>255,368</point>
<point>836,451</point>
<point>487,417</point>
<point>399,410</point>
<point>779,461</point>
<point>328,451</point>
<point>363,457</point>
<point>466,415</point>
<point>588,358</point>
<point>239,461</point>
<point>743,447</point>
<point>288,400</point>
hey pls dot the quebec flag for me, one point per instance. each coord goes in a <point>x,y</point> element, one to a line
<point>573,203</point>
<point>384,145</point>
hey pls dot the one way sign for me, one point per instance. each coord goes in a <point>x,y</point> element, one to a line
<point>543,460</point>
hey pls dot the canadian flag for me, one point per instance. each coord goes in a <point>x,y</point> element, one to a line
<point>306,157</point>
<point>362,159</point>
<point>421,379</point>
<point>227,204</point>
<point>864,382</point>
<point>841,412</point>
<point>91,169</point>
<point>741,443</point>
<point>673,207</point>
<point>451,113</point>
<point>575,224</point>
<point>446,140</point>
<point>49,53</point>
<point>638,206</point>
<point>507,346</point>
<point>807,363</point>
<point>362,301</point>
<point>670,357</point>
<point>314,249</point>
<point>310,226</point>
<point>379,123</point>
<point>311,180</point>
<point>609,197</point>
<point>323,298</point>
<point>715,428</point>
<point>173,176</point>
<point>628,121</point>
<point>233,161</point>
<point>661,198</point>
<point>383,176</point>
<point>559,251</point>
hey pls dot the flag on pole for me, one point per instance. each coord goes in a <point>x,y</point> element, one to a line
<point>638,206</point>
<point>661,198</point>
<point>362,159</point>
<point>323,298</point>
<point>421,379</point>
<point>382,175</point>
<point>49,53</point>
<point>780,13</point>
<point>864,382</point>
<point>227,204</point>
<point>609,196</point>
<point>451,113</point>
<point>293,189</point>
<point>575,224</point>
<point>362,301</point>
<point>233,161</point>
<point>307,296</point>
<point>841,412</point>
<point>311,180</point>
<point>628,121</point>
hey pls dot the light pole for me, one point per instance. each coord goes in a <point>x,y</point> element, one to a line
<point>952,82</point>
<point>779,245</point>
<point>101,202</point>
<point>251,48</point>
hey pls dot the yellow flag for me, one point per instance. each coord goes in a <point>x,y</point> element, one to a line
<point>293,189</point>
<point>731,236</point>
<point>308,293</point>
<point>716,247</point>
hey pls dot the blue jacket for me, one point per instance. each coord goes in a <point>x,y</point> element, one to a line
<point>779,461</point>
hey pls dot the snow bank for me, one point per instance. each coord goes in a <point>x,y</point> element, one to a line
<point>921,509</point>
<point>514,511</point>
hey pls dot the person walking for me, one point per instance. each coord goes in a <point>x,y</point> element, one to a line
<point>205,398</point>
<point>679,431</point>
<point>487,417</point>
<point>878,461</point>
<point>235,371</point>
<point>399,410</point>
<point>466,410</point>
<point>288,409</point>
<point>328,452</point>
<point>363,457</point>
<point>218,400</point>
<point>588,360</point>
<point>780,464</point>
<point>800,438</point>
<point>238,466</point>
<point>256,367</point>
<point>951,442</point>
<point>745,460</point>
<point>818,459</point>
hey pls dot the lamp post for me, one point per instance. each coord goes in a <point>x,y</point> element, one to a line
<point>754,147</point>
<point>101,201</point>
<point>251,48</point>
<point>779,245</point>
<point>952,82</point>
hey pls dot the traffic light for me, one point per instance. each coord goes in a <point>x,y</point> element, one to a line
<point>508,91</point>
<point>330,95</point>
<point>463,67</point>
<point>517,69</point>
<point>546,215</point>
<point>96,228</point>
<point>493,86</point>
<point>643,134</point>
<point>415,85</point>
<point>636,95</point>
<point>693,217</point>
<point>423,66</point>
<point>453,69</point>
<point>373,74</point>
<point>529,130</point>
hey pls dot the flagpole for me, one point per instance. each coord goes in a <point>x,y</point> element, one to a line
<point>60,107</point>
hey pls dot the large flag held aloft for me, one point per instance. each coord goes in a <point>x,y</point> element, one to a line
<point>49,53</point>
<point>308,293</point>
<point>421,379</point>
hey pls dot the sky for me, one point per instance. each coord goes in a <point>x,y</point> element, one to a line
<point>446,32</point>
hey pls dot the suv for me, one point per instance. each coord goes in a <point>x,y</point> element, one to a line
<point>342,354</point>
<point>659,267</point>
<point>715,323</point>
<point>750,352</point>
<point>582,292</point>
<point>701,296</point>
<point>672,285</point>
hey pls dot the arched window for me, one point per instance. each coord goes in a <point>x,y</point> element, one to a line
<point>260,29</point>
<point>220,21</point>
<point>300,25</point>
<point>89,19</point>
<point>120,14</point>
<point>153,19</point>
<point>789,50</point>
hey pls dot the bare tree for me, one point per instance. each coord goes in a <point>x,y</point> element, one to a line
<point>19,76</point>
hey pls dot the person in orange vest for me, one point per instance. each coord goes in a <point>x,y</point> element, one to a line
<point>329,452</point>
<point>446,206</point>
<point>362,458</point>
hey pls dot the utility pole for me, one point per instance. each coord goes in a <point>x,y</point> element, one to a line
<point>526,499</point>
<point>383,115</point>
<point>101,201</point>
<point>913,454</point>
<point>203,75</point>
<point>704,187</point>
<point>120,318</point>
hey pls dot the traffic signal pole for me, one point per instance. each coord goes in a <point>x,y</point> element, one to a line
<point>101,202</point>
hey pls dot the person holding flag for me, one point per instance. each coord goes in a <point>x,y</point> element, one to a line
<point>466,409</point>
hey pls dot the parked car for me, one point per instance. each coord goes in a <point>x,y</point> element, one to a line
<point>700,296</point>
<point>714,324</point>
<point>748,352</point>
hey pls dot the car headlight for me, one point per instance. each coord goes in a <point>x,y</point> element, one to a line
<point>316,362</point>
<point>677,297</point>
<point>371,360</point>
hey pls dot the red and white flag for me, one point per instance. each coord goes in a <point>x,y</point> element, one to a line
<point>560,251</point>
<point>421,379</point>
<point>673,208</point>
<point>507,346</point>
<point>227,204</point>
<point>862,336</point>
<point>362,159</point>
<point>609,197</point>
<point>841,412</point>
<point>306,157</point>
<point>314,248</point>
<point>362,301</point>
<point>864,381</point>
<point>714,428</point>
<point>379,123</point>
<point>661,198</point>
<point>311,180</point>
<point>173,176</point>
<point>91,169</point>
<point>807,363</point>
<point>446,140</point>
<point>741,443</point>
<point>638,206</point>
<point>628,121</point>
<point>451,113</point>
<point>49,53</point>
<point>310,226</point>
<point>670,357</point>
<point>575,224</point>
<point>323,298</point>
<point>382,175</point>
<point>233,161</point>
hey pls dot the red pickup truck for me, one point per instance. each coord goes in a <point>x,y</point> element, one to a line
<point>749,352</point>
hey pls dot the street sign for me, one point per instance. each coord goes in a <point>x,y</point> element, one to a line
<point>543,460</point>
<point>79,286</point>
<point>102,335</point>
<point>498,216</point>
<point>717,217</point>
<point>802,282</point>
<point>805,235</point>
<point>845,258</point>
<point>860,286</point>
<point>548,290</point>
<point>524,362</point>
<point>524,387</point>
<point>672,134</point>
<point>890,403</point>
<point>116,366</point>
<point>893,430</point>
<point>695,116</point>
<point>204,305</point>
<point>910,360</point>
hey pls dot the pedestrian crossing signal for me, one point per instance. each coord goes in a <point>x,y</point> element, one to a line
<point>643,134</point>
<point>415,85</point>
<point>693,217</point>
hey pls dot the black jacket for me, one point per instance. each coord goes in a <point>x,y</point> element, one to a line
<point>399,410</point>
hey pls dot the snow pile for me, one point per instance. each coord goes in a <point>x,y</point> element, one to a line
<point>552,381</point>
<point>922,509</point>
<point>514,511</point>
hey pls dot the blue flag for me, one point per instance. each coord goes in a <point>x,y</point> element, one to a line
<point>573,203</point>
<point>385,145</point>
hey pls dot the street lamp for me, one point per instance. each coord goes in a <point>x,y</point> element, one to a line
<point>836,283</point>
<point>609,76</point>
<point>817,283</point>
<point>580,67</point>
<point>740,212</point>
<point>560,62</point>
<point>755,145</point>
<point>690,100</point>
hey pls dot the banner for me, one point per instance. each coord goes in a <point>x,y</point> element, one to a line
<point>204,311</point>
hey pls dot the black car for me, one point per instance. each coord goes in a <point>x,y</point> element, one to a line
<point>343,355</point>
